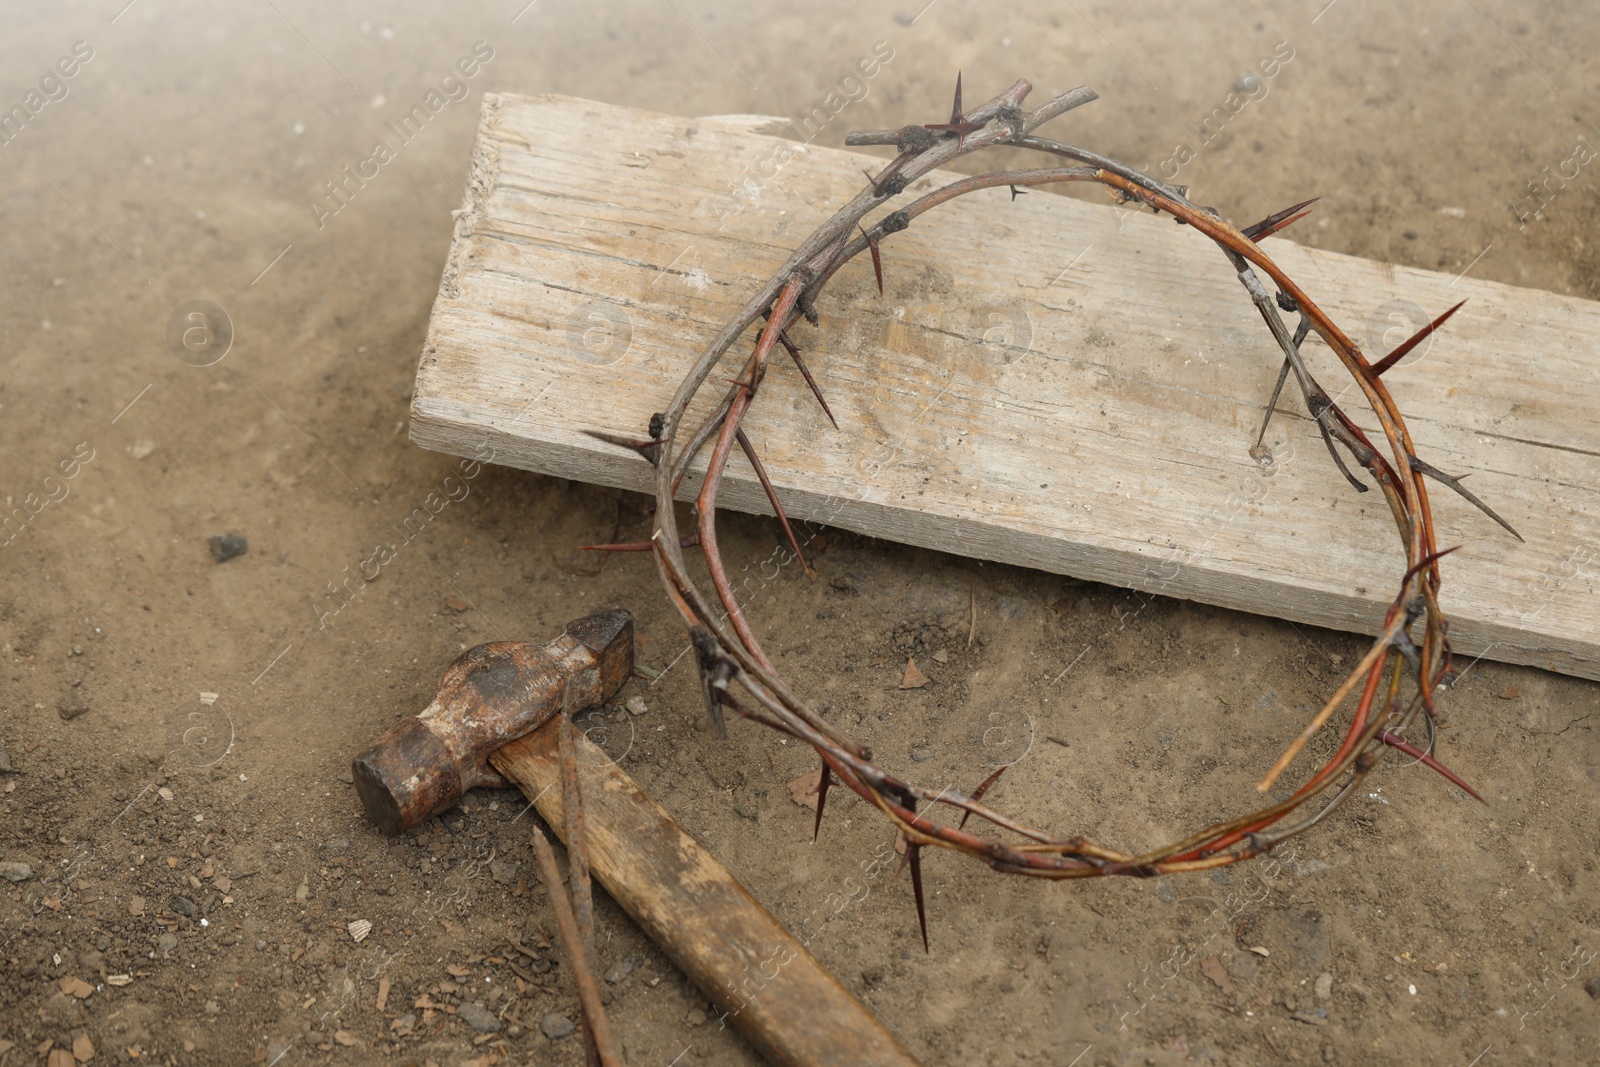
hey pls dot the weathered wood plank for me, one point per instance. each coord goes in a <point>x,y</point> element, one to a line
<point>1050,382</point>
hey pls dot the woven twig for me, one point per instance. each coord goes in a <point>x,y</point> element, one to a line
<point>737,674</point>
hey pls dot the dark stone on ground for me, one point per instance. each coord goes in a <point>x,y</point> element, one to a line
<point>225,546</point>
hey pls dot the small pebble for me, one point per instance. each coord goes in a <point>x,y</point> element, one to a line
<point>553,1026</point>
<point>226,546</point>
<point>5,763</point>
<point>182,906</point>
<point>619,970</point>
<point>480,1018</point>
<point>166,942</point>
<point>15,872</point>
<point>1324,987</point>
<point>636,705</point>
<point>504,871</point>
<point>72,705</point>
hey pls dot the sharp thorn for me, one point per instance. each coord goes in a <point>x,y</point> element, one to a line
<point>1338,460</point>
<point>1455,483</point>
<point>877,260</point>
<point>955,108</point>
<point>650,450</point>
<point>1277,390</point>
<point>1396,741</point>
<point>772,496</point>
<point>1427,561</point>
<point>983,787</point>
<point>805,372</point>
<point>1015,192</point>
<point>1278,220</point>
<point>1400,353</point>
<point>914,858</point>
<point>822,798</point>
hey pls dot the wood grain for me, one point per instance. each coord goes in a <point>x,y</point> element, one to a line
<point>773,990</point>
<point>1049,382</point>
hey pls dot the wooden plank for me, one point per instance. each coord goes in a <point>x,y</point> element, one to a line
<point>699,914</point>
<point>1048,382</point>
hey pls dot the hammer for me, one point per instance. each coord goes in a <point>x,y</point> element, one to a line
<point>493,714</point>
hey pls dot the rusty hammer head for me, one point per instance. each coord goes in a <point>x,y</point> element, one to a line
<point>492,694</point>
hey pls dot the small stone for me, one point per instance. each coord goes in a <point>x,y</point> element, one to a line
<point>1592,987</point>
<point>405,1024</point>
<point>213,1008</point>
<point>1011,607</point>
<point>182,906</point>
<point>695,1018</point>
<point>92,961</point>
<point>941,656</point>
<point>921,754</point>
<point>636,705</point>
<point>554,1026</point>
<point>226,546</point>
<point>456,604</point>
<point>166,942</point>
<point>261,946</point>
<point>505,871</point>
<point>14,871</point>
<point>619,970</point>
<point>478,1017</point>
<point>5,763</point>
<point>72,705</point>
<point>337,844</point>
<point>1324,987</point>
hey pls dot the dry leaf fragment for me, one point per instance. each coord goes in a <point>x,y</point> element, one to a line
<point>803,790</point>
<point>458,970</point>
<point>120,979</point>
<point>345,1038</point>
<point>82,1048</point>
<point>1510,694</point>
<point>76,987</point>
<point>1214,971</point>
<point>913,679</point>
<point>383,992</point>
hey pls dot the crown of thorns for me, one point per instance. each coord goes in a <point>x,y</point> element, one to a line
<point>738,676</point>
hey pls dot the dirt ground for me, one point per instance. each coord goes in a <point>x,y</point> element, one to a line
<point>181,847</point>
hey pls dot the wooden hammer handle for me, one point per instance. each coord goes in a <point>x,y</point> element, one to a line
<point>775,992</point>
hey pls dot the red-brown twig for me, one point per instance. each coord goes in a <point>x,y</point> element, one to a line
<point>594,1013</point>
<point>1414,626</point>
